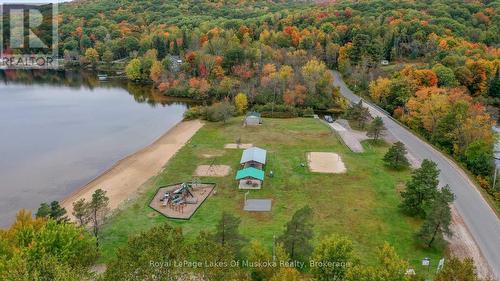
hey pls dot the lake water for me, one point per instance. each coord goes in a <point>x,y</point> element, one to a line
<point>59,130</point>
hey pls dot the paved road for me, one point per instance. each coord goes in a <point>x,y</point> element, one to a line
<point>477,214</point>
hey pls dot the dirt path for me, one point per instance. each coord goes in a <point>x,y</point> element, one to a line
<point>124,179</point>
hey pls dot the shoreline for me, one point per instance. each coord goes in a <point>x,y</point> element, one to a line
<point>122,180</point>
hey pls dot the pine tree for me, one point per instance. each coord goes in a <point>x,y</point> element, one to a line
<point>438,218</point>
<point>388,48</point>
<point>227,233</point>
<point>298,233</point>
<point>176,48</point>
<point>81,212</point>
<point>98,209</point>
<point>421,189</point>
<point>205,249</point>
<point>494,89</point>
<point>396,157</point>
<point>357,112</point>
<point>53,211</point>
<point>376,128</point>
<point>185,40</point>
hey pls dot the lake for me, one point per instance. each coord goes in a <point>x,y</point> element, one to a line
<point>59,130</point>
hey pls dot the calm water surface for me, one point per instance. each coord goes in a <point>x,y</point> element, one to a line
<point>60,130</point>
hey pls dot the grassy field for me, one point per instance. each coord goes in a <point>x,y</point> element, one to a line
<point>361,204</point>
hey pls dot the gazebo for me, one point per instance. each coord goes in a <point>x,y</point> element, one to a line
<point>253,157</point>
<point>250,178</point>
<point>253,118</point>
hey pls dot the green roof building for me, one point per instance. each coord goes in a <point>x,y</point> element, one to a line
<point>250,178</point>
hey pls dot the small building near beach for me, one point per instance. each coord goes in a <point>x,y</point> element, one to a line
<point>253,157</point>
<point>250,178</point>
<point>253,119</point>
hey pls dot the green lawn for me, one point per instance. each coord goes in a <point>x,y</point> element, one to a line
<point>361,204</point>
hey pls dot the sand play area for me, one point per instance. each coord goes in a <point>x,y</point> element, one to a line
<point>325,162</point>
<point>236,146</point>
<point>212,170</point>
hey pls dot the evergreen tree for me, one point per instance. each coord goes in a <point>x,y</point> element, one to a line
<point>396,157</point>
<point>438,218</point>
<point>81,212</point>
<point>43,211</point>
<point>357,112</point>
<point>298,233</point>
<point>494,89</point>
<point>388,48</point>
<point>185,40</point>
<point>421,189</point>
<point>208,251</point>
<point>97,211</point>
<point>227,233</point>
<point>53,211</point>
<point>159,43</point>
<point>376,128</point>
<point>175,51</point>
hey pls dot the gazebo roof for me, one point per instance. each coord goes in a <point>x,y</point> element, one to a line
<point>253,114</point>
<point>250,172</point>
<point>254,154</point>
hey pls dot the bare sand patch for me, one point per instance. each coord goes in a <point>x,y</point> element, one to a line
<point>212,170</point>
<point>236,146</point>
<point>123,180</point>
<point>212,153</point>
<point>325,162</point>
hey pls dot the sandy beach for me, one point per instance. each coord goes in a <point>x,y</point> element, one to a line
<point>123,180</point>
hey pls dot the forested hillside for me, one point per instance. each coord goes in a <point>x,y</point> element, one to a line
<point>432,64</point>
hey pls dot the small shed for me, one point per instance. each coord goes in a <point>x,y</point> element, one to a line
<point>253,157</point>
<point>250,178</point>
<point>253,118</point>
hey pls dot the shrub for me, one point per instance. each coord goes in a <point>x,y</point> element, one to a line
<point>277,111</point>
<point>220,111</point>
<point>308,112</point>
<point>196,112</point>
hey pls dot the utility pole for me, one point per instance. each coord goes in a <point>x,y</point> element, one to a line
<point>496,172</point>
<point>274,248</point>
<point>495,178</point>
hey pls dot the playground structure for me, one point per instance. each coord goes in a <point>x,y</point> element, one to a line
<point>180,196</point>
<point>212,170</point>
<point>181,200</point>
